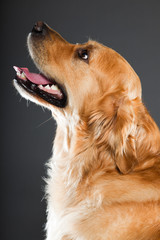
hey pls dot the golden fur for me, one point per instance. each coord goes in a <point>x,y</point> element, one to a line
<point>104,176</point>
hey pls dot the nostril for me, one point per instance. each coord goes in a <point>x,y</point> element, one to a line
<point>38,27</point>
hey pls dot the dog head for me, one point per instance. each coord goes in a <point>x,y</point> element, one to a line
<point>95,83</point>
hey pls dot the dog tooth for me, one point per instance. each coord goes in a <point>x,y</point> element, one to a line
<point>47,87</point>
<point>40,86</point>
<point>54,87</point>
<point>23,76</point>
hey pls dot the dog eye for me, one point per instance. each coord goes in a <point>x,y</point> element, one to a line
<point>83,54</point>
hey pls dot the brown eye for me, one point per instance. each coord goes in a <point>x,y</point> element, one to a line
<point>83,54</point>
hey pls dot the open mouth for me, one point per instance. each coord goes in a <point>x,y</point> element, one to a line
<point>39,85</point>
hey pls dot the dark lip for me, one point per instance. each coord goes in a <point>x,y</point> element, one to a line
<point>34,90</point>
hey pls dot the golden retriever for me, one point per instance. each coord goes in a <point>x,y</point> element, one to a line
<point>104,177</point>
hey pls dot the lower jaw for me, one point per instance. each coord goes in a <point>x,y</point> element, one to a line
<point>35,91</point>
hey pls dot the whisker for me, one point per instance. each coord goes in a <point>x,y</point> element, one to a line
<point>20,99</point>
<point>44,122</point>
<point>43,108</point>
<point>28,102</point>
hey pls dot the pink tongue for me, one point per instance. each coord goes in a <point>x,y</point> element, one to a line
<point>34,77</point>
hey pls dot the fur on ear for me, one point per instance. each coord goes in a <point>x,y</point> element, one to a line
<point>122,136</point>
<point>125,129</point>
<point>115,129</point>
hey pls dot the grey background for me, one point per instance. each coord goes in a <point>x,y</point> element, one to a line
<point>130,27</point>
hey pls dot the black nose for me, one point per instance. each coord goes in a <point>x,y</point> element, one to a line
<point>38,27</point>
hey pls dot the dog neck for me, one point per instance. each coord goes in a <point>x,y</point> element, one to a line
<point>65,133</point>
<point>75,152</point>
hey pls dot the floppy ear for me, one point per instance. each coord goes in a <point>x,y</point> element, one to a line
<point>122,136</point>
